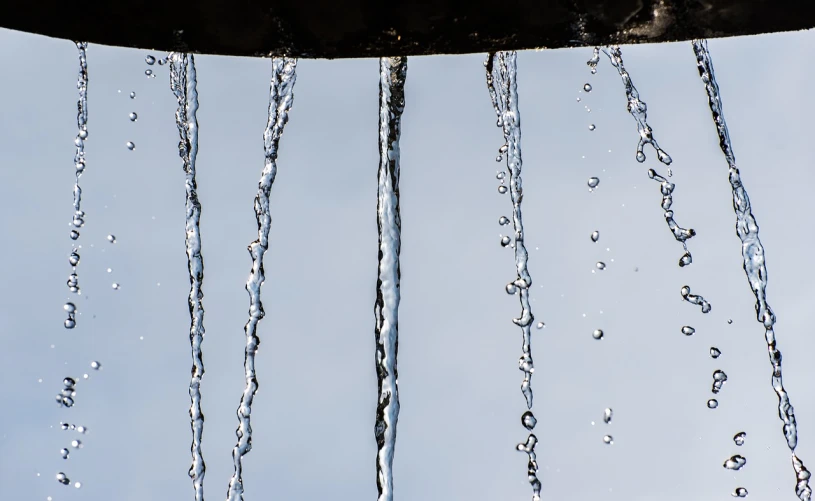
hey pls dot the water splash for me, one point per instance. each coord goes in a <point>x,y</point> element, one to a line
<point>695,299</point>
<point>392,75</point>
<point>183,84</point>
<point>754,265</point>
<point>502,84</point>
<point>78,218</point>
<point>637,108</point>
<point>281,96</point>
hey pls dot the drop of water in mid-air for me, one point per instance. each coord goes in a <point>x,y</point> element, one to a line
<point>149,73</point>
<point>500,175</point>
<point>597,334</point>
<point>528,420</point>
<point>69,307</point>
<point>686,259</point>
<point>719,378</point>
<point>587,87</point>
<point>150,60</point>
<point>688,330</point>
<point>740,492</point>
<point>541,325</point>
<point>64,453</point>
<point>715,352</point>
<point>130,145</point>
<point>738,438</point>
<point>503,220</point>
<point>112,239</point>
<point>133,116</point>
<point>608,440</point>
<point>595,236</point>
<point>695,299</point>
<point>735,463</point>
<point>502,189</point>
<point>76,444</point>
<point>132,95</point>
<point>607,414</point>
<point>595,58</point>
<point>69,323</point>
<point>78,485</point>
<point>63,479</point>
<point>712,403</point>
<point>592,127</point>
<point>96,365</point>
<point>115,286</point>
<point>505,241</point>
<point>74,235</point>
<point>729,321</point>
<point>600,265</point>
<point>593,182</point>
<point>511,288</point>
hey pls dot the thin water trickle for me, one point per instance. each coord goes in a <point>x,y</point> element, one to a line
<point>281,97</point>
<point>183,84</point>
<point>501,68</point>
<point>682,235</point>
<point>753,264</point>
<point>392,75</point>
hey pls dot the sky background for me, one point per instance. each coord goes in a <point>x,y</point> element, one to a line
<point>458,348</point>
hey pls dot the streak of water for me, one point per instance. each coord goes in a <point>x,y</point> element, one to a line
<point>392,75</point>
<point>754,265</point>
<point>78,218</point>
<point>281,96</point>
<point>183,84</point>
<point>695,299</point>
<point>502,84</point>
<point>637,108</point>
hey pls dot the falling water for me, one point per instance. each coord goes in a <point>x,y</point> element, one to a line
<point>183,84</point>
<point>78,219</point>
<point>392,74</point>
<point>280,100</point>
<point>754,267</point>
<point>502,85</point>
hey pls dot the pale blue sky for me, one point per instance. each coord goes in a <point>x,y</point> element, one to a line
<point>459,382</point>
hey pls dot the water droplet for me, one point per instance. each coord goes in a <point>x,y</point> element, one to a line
<point>130,145</point>
<point>640,157</point>
<point>112,239</point>
<point>735,463</point>
<point>738,438</point>
<point>664,157</point>
<point>133,116</point>
<point>528,420</point>
<point>64,453</point>
<point>132,95</point>
<point>500,175</point>
<point>69,307</point>
<point>595,236</point>
<point>110,270</point>
<point>76,444</point>
<point>96,365</point>
<point>719,378</point>
<point>578,99</point>
<point>600,265</point>
<point>593,182</point>
<point>148,72</point>
<point>64,426</point>
<point>685,260</point>
<point>607,415</point>
<point>81,429</point>
<point>688,330</point>
<point>78,222</point>
<point>63,479</point>
<point>115,286</point>
<point>503,220</point>
<point>73,259</point>
<point>505,241</point>
<point>740,492</point>
<point>592,127</point>
<point>587,87</point>
<point>729,321</point>
<point>502,189</point>
<point>73,282</point>
<point>541,325</point>
<point>608,439</point>
<point>150,60</point>
<point>74,234</point>
<point>499,158</point>
<point>70,323</point>
<point>712,403</point>
<point>511,288</point>
<point>78,485</point>
<point>69,382</point>
<point>597,334</point>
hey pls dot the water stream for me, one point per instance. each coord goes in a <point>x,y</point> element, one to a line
<point>502,72</point>
<point>392,75</point>
<point>754,265</point>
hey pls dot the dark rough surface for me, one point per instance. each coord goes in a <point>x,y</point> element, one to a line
<point>375,28</point>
